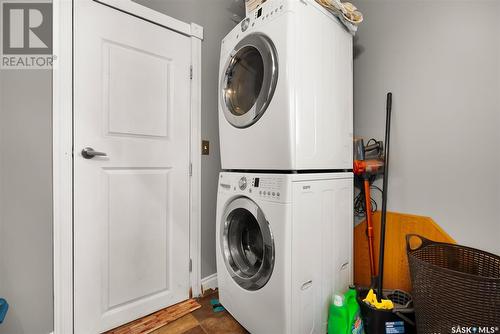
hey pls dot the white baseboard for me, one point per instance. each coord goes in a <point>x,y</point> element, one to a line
<point>209,282</point>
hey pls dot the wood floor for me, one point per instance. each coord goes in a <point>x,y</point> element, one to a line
<point>204,321</point>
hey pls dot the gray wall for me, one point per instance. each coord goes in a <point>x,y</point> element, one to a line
<point>26,200</point>
<point>216,18</point>
<point>441,59</point>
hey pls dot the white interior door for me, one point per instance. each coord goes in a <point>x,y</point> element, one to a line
<point>131,207</point>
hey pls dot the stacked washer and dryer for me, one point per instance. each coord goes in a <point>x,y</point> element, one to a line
<point>284,206</point>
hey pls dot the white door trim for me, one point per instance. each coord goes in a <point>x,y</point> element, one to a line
<point>62,141</point>
<point>195,191</point>
<point>153,16</point>
<point>62,115</point>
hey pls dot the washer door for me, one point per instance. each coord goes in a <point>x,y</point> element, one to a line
<point>249,80</point>
<point>247,244</point>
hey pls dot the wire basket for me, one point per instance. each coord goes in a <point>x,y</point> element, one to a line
<point>454,286</point>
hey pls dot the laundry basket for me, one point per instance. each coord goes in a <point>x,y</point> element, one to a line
<point>454,286</point>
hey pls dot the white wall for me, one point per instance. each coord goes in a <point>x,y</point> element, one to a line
<point>26,200</point>
<point>216,18</point>
<point>441,59</point>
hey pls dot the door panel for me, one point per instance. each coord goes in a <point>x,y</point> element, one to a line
<point>131,219</point>
<point>137,234</point>
<point>126,72</point>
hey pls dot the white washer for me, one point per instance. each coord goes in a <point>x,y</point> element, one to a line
<point>284,245</point>
<point>286,90</point>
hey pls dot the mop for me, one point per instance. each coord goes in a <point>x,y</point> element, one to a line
<point>373,299</point>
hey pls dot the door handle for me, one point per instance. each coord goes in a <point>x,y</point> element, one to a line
<point>89,153</point>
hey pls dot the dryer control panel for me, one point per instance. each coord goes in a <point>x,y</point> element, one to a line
<point>263,13</point>
<point>262,186</point>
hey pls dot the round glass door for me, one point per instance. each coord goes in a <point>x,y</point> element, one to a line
<point>249,81</point>
<point>247,244</point>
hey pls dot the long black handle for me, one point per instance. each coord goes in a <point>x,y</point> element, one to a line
<point>384,197</point>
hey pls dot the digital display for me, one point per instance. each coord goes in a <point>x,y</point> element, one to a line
<point>259,12</point>
<point>256,182</point>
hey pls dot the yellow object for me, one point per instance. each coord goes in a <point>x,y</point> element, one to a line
<point>396,272</point>
<point>384,304</point>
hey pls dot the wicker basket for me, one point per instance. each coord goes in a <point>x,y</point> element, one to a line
<point>454,286</point>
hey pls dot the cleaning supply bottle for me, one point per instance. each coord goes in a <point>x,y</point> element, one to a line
<point>355,323</point>
<point>338,316</point>
<point>345,314</point>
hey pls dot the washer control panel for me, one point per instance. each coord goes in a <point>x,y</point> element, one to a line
<point>243,183</point>
<point>268,186</point>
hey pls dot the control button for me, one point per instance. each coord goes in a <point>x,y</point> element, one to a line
<point>250,190</point>
<point>278,194</point>
<point>243,183</point>
<point>245,24</point>
<point>274,194</point>
<point>260,192</point>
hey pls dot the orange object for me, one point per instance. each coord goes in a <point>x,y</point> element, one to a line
<point>365,168</point>
<point>396,272</point>
<point>372,167</point>
<point>369,227</point>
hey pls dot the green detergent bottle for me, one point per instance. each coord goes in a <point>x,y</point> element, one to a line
<point>345,315</point>
<point>338,316</point>
<point>355,321</point>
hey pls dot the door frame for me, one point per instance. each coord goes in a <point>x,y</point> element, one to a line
<point>62,142</point>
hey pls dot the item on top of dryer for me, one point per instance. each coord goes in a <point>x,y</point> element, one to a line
<point>269,281</point>
<point>270,71</point>
<point>251,5</point>
<point>345,11</point>
<point>4,307</point>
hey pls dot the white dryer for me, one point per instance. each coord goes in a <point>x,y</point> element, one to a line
<point>286,90</point>
<point>284,245</point>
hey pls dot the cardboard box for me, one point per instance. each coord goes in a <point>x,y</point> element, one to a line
<point>251,5</point>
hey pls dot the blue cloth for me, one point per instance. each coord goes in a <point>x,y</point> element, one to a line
<point>216,306</point>
<point>4,306</point>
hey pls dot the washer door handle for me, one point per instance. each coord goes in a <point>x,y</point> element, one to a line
<point>306,285</point>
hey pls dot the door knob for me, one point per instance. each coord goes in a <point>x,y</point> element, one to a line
<point>89,153</point>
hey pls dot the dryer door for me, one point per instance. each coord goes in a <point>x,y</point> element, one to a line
<point>247,244</point>
<point>249,80</point>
